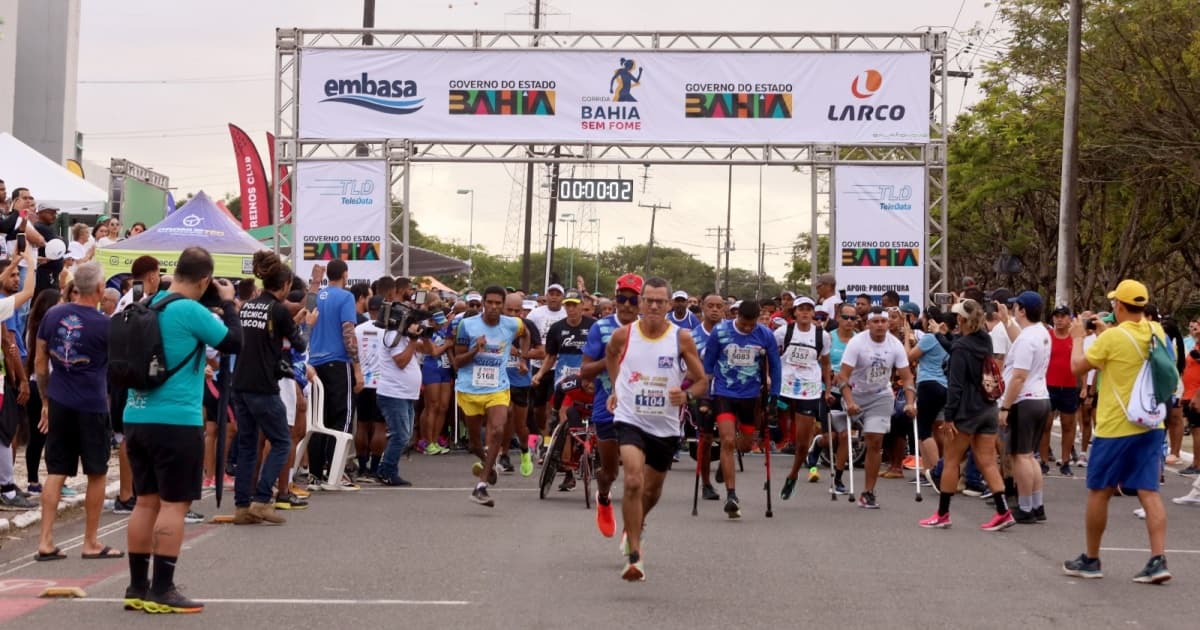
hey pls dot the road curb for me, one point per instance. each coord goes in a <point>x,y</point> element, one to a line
<point>33,517</point>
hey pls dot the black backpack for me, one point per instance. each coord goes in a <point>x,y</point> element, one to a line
<point>136,358</point>
<point>818,337</point>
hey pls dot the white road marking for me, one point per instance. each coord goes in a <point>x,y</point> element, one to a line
<point>300,602</point>
<point>1147,550</point>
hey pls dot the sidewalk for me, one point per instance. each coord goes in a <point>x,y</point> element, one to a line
<point>11,521</point>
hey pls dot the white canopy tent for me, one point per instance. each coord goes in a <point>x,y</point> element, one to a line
<point>50,183</point>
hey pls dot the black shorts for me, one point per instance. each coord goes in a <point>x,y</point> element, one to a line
<point>810,407</point>
<point>931,400</point>
<point>706,420</point>
<point>116,407</point>
<point>1026,421</point>
<point>1064,399</point>
<point>367,407</point>
<point>210,401</point>
<point>986,423</point>
<point>659,451</point>
<point>1193,417</point>
<point>605,431</point>
<point>77,436</point>
<point>166,459</point>
<point>518,396</point>
<point>544,393</point>
<point>744,410</point>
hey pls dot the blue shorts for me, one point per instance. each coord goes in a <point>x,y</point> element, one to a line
<point>435,375</point>
<point>1131,462</point>
<point>605,431</point>
<point>1064,399</point>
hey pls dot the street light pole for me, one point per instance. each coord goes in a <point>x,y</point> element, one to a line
<point>596,286</point>
<point>569,219</point>
<point>470,234</point>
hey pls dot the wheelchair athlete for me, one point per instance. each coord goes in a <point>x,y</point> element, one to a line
<point>572,403</point>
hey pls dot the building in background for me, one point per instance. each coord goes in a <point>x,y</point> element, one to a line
<point>39,60</point>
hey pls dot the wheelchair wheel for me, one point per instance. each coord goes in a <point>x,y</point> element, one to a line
<point>585,472</point>
<point>553,457</point>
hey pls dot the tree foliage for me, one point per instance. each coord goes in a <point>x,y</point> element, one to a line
<point>1139,172</point>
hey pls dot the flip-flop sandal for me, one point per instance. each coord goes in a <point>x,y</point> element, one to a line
<point>107,553</point>
<point>57,554</point>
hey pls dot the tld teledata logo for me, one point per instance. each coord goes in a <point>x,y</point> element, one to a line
<point>888,196</point>
<point>353,192</point>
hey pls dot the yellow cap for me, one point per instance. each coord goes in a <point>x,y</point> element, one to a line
<point>1130,292</point>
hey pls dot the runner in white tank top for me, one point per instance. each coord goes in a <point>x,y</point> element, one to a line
<point>644,366</point>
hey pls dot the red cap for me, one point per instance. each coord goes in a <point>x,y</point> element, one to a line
<point>630,281</point>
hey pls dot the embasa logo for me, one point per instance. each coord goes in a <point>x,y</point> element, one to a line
<point>389,97</point>
<point>866,84</point>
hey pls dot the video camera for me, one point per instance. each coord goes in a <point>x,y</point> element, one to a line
<point>398,316</point>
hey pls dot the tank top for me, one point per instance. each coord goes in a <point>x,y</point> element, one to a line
<point>649,369</point>
<point>1059,373</point>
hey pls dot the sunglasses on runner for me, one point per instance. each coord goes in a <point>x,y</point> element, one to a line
<point>631,300</point>
<point>849,318</point>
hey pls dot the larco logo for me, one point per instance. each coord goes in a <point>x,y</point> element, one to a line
<point>862,87</point>
<point>866,84</point>
<point>386,96</point>
<point>192,220</point>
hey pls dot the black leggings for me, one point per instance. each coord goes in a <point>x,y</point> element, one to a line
<point>37,439</point>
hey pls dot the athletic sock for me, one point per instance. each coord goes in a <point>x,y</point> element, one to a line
<point>373,464</point>
<point>837,475</point>
<point>139,569</point>
<point>1025,503</point>
<point>944,503</point>
<point>480,484</point>
<point>1037,499</point>
<point>1001,502</point>
<point>731,493</point>
<point>164,574</point>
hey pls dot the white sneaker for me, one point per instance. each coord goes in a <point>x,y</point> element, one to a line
<point>1082,460</point>
<point>1140,513</point>
<point>1191,498</point>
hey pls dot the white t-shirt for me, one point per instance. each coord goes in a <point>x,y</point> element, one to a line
<point>873,362</point>
<point>830,305</point>
<point>367,335</point>
<point>801,365</point>
<point>106,241</point>
<point>1030,351</point>
<point>544,318</point>
<point>1000,341</point>
<point>393,381</point>
<point>1087,343</point>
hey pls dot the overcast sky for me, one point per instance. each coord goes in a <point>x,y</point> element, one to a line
<point>160,80</point>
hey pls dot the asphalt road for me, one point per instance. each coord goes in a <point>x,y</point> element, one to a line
<point>428,558</point>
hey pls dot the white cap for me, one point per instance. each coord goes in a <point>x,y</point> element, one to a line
<point>679,295</point>
<point>555,287</point>
<point>804,299</point>
<point>779,321</point>
<point>789,294</point>
<point>529,305</point>
<point>958,309</point>
<point>473,297</point>
<point>737,304</point>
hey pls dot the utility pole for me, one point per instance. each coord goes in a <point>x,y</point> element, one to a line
<point>716,231</point>
<point>758,284</point>
<point>527,252</point>
<point>1068,214</point>
<point>654,208</point>
<point>368,21</point>
<point>728,223</point>
<point>553,218</point>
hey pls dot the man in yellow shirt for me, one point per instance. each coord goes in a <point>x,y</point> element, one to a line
<point>1123,453</point>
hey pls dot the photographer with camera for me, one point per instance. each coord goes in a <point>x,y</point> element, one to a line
<point>399,386</point>
<point>266,322</point>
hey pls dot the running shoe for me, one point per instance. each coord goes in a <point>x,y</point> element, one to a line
<point>290,502</point>
<point>442,450</point>
<point>431,449</point>
<point>526,464</point>
<point>170,602</point>
<point>298,491</point>
<point>604,519</point>
<point>1039,513</point>
<point>443,442</point>
<point>790,449</point>
<point>999,522</point>
<point>1155,572</point>
<point>68,491</point>
<point>633,571</point>
<point>1190,471</point>
<point>229,481</point>
<point>1065,470</point>
<point>789,485</point>
<point>1172,459</point>
<point>192,517</point>
<point>866,501</point>
<point>480,496</point>
<point>506,466</point>
<point>1084,567</point>
<point>840,489</point>
<point>1023,517</point>
<point>732,509</point>
<point>1191,498</point>
<point>892,473</point>
<point>709,493</point>
<point>210,483</point>
<point>933,483</point>
<point>1140,513</point>
<point>422,446</point>
<point>315,482</point>
<point>1045,467</point>
<point>910,462</point>
<point>395,481</point>
<point>814,475</point>
<point>986,494</point>
<point>34,488</point>
<point>568,483</point>
<point>973,491</point>
<point>937,521</point>
<point>124,507</point>
<point>1082,460</point>
<point>18,503</point>
<point>135,598</point>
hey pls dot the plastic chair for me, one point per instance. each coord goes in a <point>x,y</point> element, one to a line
<point>342,440</point>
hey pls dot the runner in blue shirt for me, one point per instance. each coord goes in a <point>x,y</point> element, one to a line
<point>629,290</point>
<point>680,315</point>
<point>734,356</point>
<point>712,307</point>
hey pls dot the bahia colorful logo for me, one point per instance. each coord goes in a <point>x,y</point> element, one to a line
<point>381,95</point>
<point>862,87</point>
